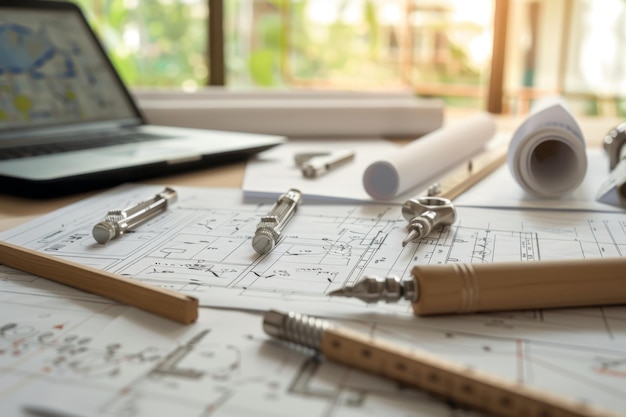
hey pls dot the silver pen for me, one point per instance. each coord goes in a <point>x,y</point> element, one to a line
<point>321,164</point>
<point>269,228</point>
<point>118,222</point>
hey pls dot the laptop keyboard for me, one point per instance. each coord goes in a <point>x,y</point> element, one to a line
<point>77,145</point>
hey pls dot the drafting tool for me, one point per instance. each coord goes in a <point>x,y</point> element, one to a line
<point>118,222</point>
<point>424,213</point>
<point>313,165</point>
<point>468,174</point>
<point>470,288</point>
<point>613,190</point>
<point>455,382</point>
<point>270,227</point>
<point>159,301</point>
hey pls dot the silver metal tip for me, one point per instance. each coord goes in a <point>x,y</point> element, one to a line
<point>373,289</point>
<point>273,323</point>
<point>411,237</point>
<point>338,293</point>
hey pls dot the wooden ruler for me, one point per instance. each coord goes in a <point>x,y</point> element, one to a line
<point>468,174</point>
<point>458,383</point>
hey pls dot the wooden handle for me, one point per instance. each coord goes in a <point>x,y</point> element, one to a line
<point>165,303</point>
<point>468,288</point>
<point>459,383</point>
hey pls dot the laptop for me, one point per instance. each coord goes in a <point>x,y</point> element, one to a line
<point>67,122</point>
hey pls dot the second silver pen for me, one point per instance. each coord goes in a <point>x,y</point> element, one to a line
<point>270,227</point>
<point>320,165</point>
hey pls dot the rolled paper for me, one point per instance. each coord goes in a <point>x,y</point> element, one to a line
<point>547,155</point>
<point>427,157</point>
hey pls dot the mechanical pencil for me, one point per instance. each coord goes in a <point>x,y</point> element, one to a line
<point>470,288</point>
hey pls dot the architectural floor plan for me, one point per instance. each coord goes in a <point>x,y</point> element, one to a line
<point>121,362</point>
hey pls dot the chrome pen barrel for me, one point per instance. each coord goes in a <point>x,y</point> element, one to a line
<point>283,210</point>
<point>118,222</point>
<point>294,327</point>
<point>271,225</point>
<point>144,211</point>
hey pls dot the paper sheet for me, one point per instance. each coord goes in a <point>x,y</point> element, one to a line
<point>547,151</point>
<point>500,190</point>
<point>396,173</point>
<point>107,359</point>
<point>273,172</point>
<point>97,360</point>
<point>202,246</point>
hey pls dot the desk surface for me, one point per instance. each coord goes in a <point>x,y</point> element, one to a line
<point>523,350</point>
<point>15,210</point>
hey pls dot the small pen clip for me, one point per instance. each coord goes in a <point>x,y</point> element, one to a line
<point>315,164</point>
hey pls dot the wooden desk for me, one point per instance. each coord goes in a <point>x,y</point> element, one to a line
<point>15,210</point>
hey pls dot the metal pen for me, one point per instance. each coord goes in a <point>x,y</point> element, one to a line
<point>321,164</point>
<point>270,227</point>
<point>118,222</point>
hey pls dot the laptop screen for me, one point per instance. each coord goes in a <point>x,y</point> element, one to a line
<point>53,72</point>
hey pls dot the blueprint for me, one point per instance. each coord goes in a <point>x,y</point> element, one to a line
<point>202,246</point>
<point>98,359</point>
<point>118,361</point>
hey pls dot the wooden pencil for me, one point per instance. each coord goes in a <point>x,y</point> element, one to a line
<point>162,302</point>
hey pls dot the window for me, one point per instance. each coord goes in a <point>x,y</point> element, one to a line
<point>433,47</point>
<point>568,47</point>
<point>443,48</point>
<point>154,42</point>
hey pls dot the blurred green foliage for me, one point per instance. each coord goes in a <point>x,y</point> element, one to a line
<point>153,42</point>
<point>268,43</point>
<point>278,43</point>
<point>290,48</point>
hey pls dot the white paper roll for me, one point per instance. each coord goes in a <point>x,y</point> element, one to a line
<point>427,156</point>
<point>547,152</point>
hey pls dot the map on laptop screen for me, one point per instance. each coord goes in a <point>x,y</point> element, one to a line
<point>52,72</point>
